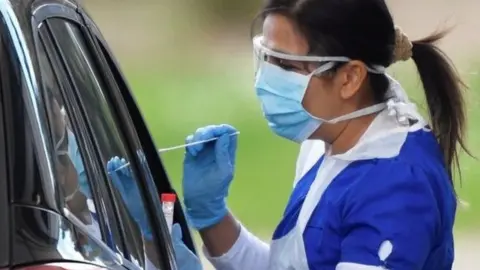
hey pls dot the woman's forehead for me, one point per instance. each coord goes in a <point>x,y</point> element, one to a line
<point>280,34</point>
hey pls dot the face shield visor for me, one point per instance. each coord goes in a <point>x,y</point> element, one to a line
<point>263,54</point>
<point>298,63</point>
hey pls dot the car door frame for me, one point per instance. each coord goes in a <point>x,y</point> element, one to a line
<point>53,8</point>
<point>5,150</point>
<point>100,191</point>
<point>131,116</point>
<point>94,169</point>
<point>18,44</point>
<point>136,120</point>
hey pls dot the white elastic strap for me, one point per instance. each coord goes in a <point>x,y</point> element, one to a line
<point>62,153</point>
<point>70,197</point>
<point>323,68</point>
<point>57,145</point>
<point>362,112</point>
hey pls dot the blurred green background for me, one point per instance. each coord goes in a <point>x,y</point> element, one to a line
<point>189,64</point>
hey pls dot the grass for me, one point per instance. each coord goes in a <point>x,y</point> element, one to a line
<point>176,102</point>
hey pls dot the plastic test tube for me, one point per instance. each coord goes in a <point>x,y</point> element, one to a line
<point>168,204</point>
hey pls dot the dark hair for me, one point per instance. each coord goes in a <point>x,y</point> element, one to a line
<point>364,30</point>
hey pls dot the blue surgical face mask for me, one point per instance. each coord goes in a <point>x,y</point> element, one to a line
<point>281,93</point>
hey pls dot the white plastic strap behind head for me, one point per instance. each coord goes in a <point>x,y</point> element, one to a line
<point>60,141</point>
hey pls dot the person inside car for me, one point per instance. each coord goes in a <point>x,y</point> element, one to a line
<point>70,154</point>
<point>76,200</point>
<point>65,170</point>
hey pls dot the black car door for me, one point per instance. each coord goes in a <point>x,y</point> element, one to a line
<point>134,124</point>
<point>106,108</point>
<point>51,219</point>
<point>64,39</point>
<point>60,84</point>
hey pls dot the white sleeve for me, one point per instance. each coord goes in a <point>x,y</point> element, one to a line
<point>248,252</point>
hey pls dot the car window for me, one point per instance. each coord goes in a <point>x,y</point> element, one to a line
<point>68,163</point>
<point>107,135</point>
<point>105,213</point>
<point>38,226</point>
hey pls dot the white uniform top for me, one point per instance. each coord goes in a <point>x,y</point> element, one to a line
<point>249,252</point>
<point>412,213</point>
<point>310,152</point>
<point>420,196</point>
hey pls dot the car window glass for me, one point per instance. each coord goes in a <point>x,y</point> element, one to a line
<point>68,163</point>
<point>107,135</point>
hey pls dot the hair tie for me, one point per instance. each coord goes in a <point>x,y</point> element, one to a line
<point>403,46</point>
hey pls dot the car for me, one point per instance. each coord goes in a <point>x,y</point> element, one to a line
<point>66,111</point>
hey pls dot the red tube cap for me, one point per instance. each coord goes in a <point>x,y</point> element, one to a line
<point>169,197</point>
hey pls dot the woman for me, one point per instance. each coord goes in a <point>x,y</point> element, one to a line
<point>382,196</point>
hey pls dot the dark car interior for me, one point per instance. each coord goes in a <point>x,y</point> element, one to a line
<point>44,222</point>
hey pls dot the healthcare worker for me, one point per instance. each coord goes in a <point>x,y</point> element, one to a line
<point>381,197</point>
<point>374,188</point>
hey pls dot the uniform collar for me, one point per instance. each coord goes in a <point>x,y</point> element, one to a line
<point>383,139</point>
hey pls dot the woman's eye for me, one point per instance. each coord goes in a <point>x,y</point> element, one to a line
<point>287,67</point>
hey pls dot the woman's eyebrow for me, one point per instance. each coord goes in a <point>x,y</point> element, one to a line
<point>277,50</point>
<point>284,52</point>
<point>280,51</point>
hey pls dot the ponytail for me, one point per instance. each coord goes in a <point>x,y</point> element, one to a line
<point>444,93</point>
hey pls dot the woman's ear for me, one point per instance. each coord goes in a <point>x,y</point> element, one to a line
<point>352,76</point>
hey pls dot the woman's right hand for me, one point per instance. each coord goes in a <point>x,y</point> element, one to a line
<point>208,170</point>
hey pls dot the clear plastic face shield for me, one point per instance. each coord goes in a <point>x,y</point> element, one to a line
<point>298,63</point>
<point>262,54</point>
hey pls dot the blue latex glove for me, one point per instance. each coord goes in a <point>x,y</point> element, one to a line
<point>184,258</point>
<point>207,173</point>
<point>123,180</point>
